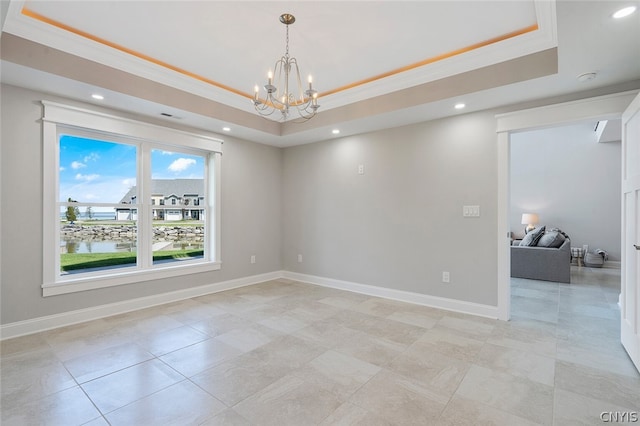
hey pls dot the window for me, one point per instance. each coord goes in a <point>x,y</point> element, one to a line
<point>102,225</point>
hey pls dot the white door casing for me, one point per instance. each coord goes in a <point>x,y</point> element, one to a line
<point>630,285</point>
<point>598,108</point>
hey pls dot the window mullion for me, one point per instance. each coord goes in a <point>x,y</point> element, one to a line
<point>145,225</point>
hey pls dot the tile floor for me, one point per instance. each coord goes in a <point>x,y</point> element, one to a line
<point>286,353</point>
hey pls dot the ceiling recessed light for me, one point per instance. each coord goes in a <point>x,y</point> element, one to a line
<point>226,129</point>
<point>459,106</point>
<point>624,12</point>
<point>586,76</point>
<point>97,96</point>
<point>335,131</point>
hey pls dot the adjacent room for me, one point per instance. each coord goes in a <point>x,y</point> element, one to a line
<point>311,213</point>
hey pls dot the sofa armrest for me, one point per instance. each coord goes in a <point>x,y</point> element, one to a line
<point>542,263</point>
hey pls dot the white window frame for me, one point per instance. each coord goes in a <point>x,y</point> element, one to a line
<point>58,116</point>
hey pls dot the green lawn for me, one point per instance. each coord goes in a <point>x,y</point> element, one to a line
<point>75,261</point>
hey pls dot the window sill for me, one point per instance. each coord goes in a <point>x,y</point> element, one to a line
<point>127,276</point>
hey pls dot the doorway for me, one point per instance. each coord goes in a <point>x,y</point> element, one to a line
<point>602,107</point>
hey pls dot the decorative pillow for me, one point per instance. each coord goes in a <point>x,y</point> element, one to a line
<point>561,232</point>
<point>532,238</point>
<point>552,239</point>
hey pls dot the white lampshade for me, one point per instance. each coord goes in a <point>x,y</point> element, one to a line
<point>529,219</point>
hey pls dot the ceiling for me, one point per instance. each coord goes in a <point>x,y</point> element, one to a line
<point>376,64</point>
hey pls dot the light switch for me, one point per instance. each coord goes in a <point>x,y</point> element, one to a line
<point>471,211</point>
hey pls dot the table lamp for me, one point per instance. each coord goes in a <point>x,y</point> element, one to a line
<point>529,219</point>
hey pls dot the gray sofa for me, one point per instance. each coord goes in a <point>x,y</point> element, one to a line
<point>542,263</point>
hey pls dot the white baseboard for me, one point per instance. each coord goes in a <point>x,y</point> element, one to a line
<point>400,295</point>
<point>35,325</point>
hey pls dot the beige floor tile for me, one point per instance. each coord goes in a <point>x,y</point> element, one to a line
<point>440,340</point>
<point>289,351</point>
<point>100,421</point>
<point>463,412</point>
<point>400,400</point>
<point>372,349</point>
<point>394,331</point>
<point>131,384</point>
<point>181,404</point>
<point>435,371</point>
<point>289,401</point>
<point>516,395</point>
<point>86,338</point>
<point>466,326</point>
<point>378,307</point>
<point>249,338</point>
<point>21,345</point>
<point>106,361</point>
<point>200,356</point>
<point>285,323</point>
<point>239,378</point>
<point>527,335</point>
<point>227,418</point>
<point>352,415</point>
<point>68,407</point>
<point>598,383</point>
<point>329,332</point>
<point>168,341</point>
<point>310,348</point>
<point>219,324</point>
<point>311,310</point>
<point>190,310</point>
<point>612,358</point>
<point>148,325</point>
<point>518,363</point>
<point>32,375</point>
<point>344,300</point>
<point>338,373</point>
<point>420,319</point>
<point>571,409</point>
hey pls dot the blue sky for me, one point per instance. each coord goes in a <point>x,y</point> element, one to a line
<point>93,171</point>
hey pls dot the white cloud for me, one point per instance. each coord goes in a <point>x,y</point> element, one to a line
<point>87,178</point>
<point>77,165</point>
<point>62,169</point>
<point>91,157</point>
<point>181,164</point>
<point>129,182</point>
<point>166,152</point>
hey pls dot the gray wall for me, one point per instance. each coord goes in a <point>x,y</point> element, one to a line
<point>571,181</point>
<point>251,212</point>
<point>400,224</point>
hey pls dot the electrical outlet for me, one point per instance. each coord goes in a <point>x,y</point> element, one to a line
<point>253,258</point>
<point>299,258</point>
<point>360,169</point>
<point>445,276</point>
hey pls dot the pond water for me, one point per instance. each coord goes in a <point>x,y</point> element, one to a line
<point>97,246</point>
<point>107,246</point>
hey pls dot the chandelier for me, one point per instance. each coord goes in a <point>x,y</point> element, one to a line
<point>279,95</point>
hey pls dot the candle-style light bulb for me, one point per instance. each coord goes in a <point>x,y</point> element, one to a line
<point>310,81</point>
<point>270,76</point>
<point>256,89</point>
